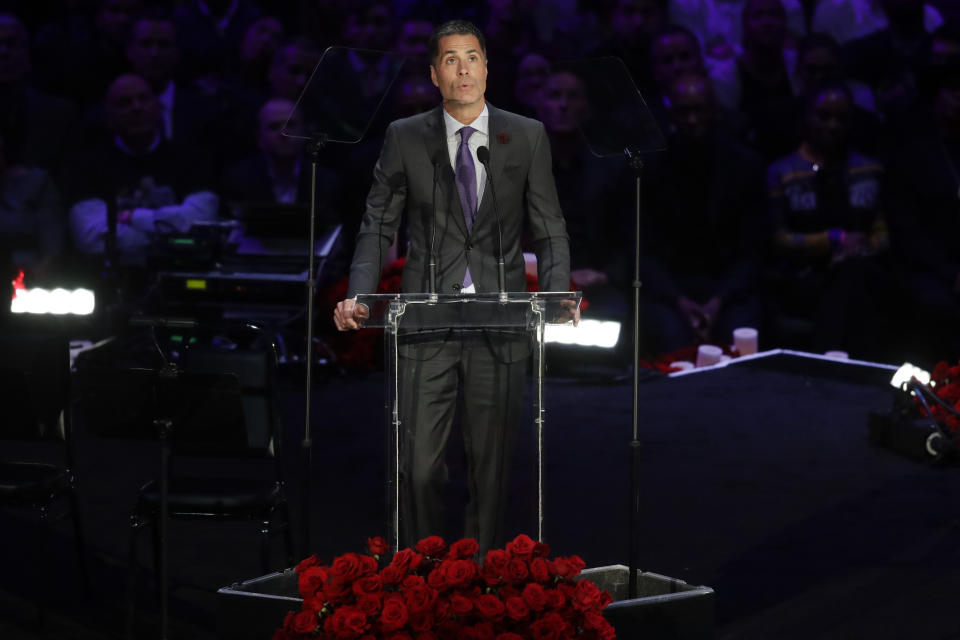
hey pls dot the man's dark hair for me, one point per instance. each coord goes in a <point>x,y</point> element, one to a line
<point>150,14</point>
<point>454,28</point>
<point>675,30</point>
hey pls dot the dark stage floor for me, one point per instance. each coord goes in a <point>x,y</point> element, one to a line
<point>758,481</point>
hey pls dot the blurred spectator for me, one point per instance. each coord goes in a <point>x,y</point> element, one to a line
<point>37,128</point>
<point>78,56</point>
<point>412,42</point>
<point>257,49</point>
<point>758,82</point>
<point>891,60</point>
<point>211,32</point>
<point>532,72</point>
<point>187,116</point>
<point>510,35</point>
<point>825,210</point>
<point>148,183</point>
<point>291,67</point>
<point>703,244</point>
<point>31,218</point>
<point>369,25</point>
<point>631,25</point>
<point>847,20</point>
<point>718,24</point>
<point>415,95</point>
<point>280,172</point>
<point>925,221</point>
<point>594,196</point>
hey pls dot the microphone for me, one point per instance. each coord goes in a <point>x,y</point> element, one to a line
<point>483,155</point>
<point>439,158</point>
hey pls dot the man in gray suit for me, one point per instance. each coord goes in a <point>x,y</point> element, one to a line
<point>432,160</point>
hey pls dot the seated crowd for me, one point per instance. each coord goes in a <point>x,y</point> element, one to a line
<point>809,186</point>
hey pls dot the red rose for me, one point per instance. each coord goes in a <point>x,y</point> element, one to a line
<point>540,570</point>
<point>517,608</point>
<point>550,627</point>
<point>406,560</point>
<point>535,596</point>
<point>305,622</point>
<point>313,603</point>
<point>399,635</point>
<point>464,548</point>
<point>367,584</point>
<point>435,579</point>
<point>426,635</point>
<point>508,591</point>
<point>421,622</point>
<point>489,607</point>
<point>311,580</point>
<point>391,575</point>
<point>393,615</point>
<point>496,560</point>
<point>586,596</point>
<point>351,566</point>
<point>377,546</point>
<point>432,546</point>
<point>369,603</point>
<point>508,635</point>
<point>541,549</point>
<point>347,622</point>
<point>460,606</point>
<point>480,631</point>
<point>521,546</point>
<point>306,563</point>
<point>336,592</point>
<point>594,621</point>
<point>517,570</point>
<point>441,609</point>
<point>458,573</point>
<point>567,567</point>
<point>555,599</point>
<point>419,598</point>
<point>412,581</point>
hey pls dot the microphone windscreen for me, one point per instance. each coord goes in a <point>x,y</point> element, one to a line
<point>483,155</point>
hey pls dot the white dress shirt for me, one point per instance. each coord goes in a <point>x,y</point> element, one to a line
<point>478,139</point>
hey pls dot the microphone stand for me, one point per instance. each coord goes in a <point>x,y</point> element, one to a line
<point>314,147</point>
<point>633,527</point>
<point>483,155</point>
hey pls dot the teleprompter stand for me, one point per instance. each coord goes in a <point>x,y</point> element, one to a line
<point>399,313</point>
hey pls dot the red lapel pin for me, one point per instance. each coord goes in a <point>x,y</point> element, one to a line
<point>503,138</point>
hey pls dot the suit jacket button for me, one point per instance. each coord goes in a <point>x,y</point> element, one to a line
<point>456,286</point>
<point>467,246</point>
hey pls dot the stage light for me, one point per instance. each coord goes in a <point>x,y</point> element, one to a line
<point>80,302</point>
<point>906,373</point>
<point>590,333</point>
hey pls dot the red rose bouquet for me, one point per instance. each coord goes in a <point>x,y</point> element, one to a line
<point>945,385</point>
<point>437,591</point>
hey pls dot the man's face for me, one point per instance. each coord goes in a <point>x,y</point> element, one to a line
<point>262,39</point>
<point>273,116</point>
<point>691,108</point>
<point>414,39</point>
<point>113,18</point>
<point>532,72</point>
<point>460,70</point>
<point>370,29</point>
<point>828,120</point>
<point>289,74</point>
<point>817,66</point>
<point>131,107</point>
<point>14,58</point>
<point>764,23</point>
<point>563,103</point>
<point>153,50</point>
<point>673,55</point>
<point>633,20</point>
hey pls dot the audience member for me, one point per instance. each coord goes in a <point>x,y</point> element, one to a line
<point>703,227</point>
<point>31,218</point>
<point>210,33</point>
<point>718,23</point>
<point>847,20</point>
<point>757,83</point>
<point>532,72</point>
<point>828,228</point>
<point>292,65</point>
<point>413,40</point>
<point>147,183</point>
<point>631,24</point>
<point>369,25</point>
<point>594,196</point>
<point>188,117</point>
<point>37,128</point>
<point>78,56</point>
<point>925,221</point>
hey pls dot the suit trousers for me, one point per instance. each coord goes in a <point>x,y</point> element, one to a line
<point>437,376</point>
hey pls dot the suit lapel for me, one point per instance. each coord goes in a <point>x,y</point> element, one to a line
<point>435,140</point>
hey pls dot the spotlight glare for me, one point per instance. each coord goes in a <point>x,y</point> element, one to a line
<point>906,372</point>
<point>590,333</point>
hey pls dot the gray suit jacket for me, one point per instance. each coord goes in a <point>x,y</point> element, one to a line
<point>403,181</point>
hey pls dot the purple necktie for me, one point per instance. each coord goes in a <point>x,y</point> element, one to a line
<point>466,176</point>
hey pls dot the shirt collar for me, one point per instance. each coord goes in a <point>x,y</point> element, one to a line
<point>481,123</point>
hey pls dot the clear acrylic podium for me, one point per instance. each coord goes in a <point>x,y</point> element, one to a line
<point>529,312</point>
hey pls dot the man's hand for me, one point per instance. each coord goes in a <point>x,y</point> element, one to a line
<point>349,316</point>
<point>570,311</point>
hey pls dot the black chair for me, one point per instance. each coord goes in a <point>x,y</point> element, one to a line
<point>34,394</point>
<point>221,404</point>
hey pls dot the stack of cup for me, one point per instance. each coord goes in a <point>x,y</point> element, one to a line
<point>707,354</point>
<point>745,340</point>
